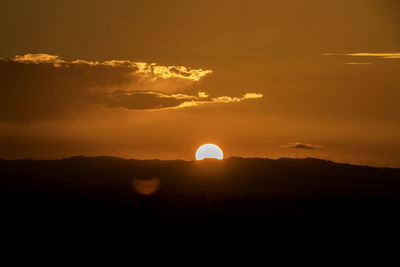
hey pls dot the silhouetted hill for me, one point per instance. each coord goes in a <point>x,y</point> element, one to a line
<point>239,189</point>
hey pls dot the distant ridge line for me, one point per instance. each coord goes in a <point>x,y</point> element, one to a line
<point>288,159</point>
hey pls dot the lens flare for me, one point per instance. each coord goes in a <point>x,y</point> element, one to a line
<point>146,186</point>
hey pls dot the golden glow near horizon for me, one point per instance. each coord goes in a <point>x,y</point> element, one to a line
<point>209,151</point>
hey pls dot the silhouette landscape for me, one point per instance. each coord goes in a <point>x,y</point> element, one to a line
<point>235,190</point>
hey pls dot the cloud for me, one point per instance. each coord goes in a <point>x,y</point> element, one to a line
<point>158,101</point>
<point>379,55</point>
<point>299,145</point>
<point>252,96</point>
<point>43,86</point>
<point>358,63</point>
<point>38,58</point>
<point>149,69</point>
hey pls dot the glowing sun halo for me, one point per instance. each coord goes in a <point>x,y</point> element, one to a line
<point>209,151</point>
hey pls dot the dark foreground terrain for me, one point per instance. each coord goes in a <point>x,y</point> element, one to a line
<point>233,191</point>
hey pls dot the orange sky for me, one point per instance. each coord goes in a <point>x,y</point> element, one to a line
<point>156,79</point>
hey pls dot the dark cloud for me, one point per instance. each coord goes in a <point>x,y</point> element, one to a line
<point>142,100</point>
<point>42,86</point>
<point>149,100</point>
<point>40,91</point>
<point>298,145</point>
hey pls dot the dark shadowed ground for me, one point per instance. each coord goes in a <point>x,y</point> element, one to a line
<point>236,191</point>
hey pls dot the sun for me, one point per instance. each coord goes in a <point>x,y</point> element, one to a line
<point>209,151</point>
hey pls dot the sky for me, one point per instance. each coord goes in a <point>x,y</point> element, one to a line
<point>156,79</point>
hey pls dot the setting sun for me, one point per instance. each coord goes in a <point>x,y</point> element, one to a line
<point>209,151</point>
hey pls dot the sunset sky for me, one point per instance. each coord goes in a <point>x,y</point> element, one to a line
<point>157,79</point>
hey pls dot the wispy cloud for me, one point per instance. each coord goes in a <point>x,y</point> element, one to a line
<point>378,55</point>
<point>358,63</point>
<point>299,145</point>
